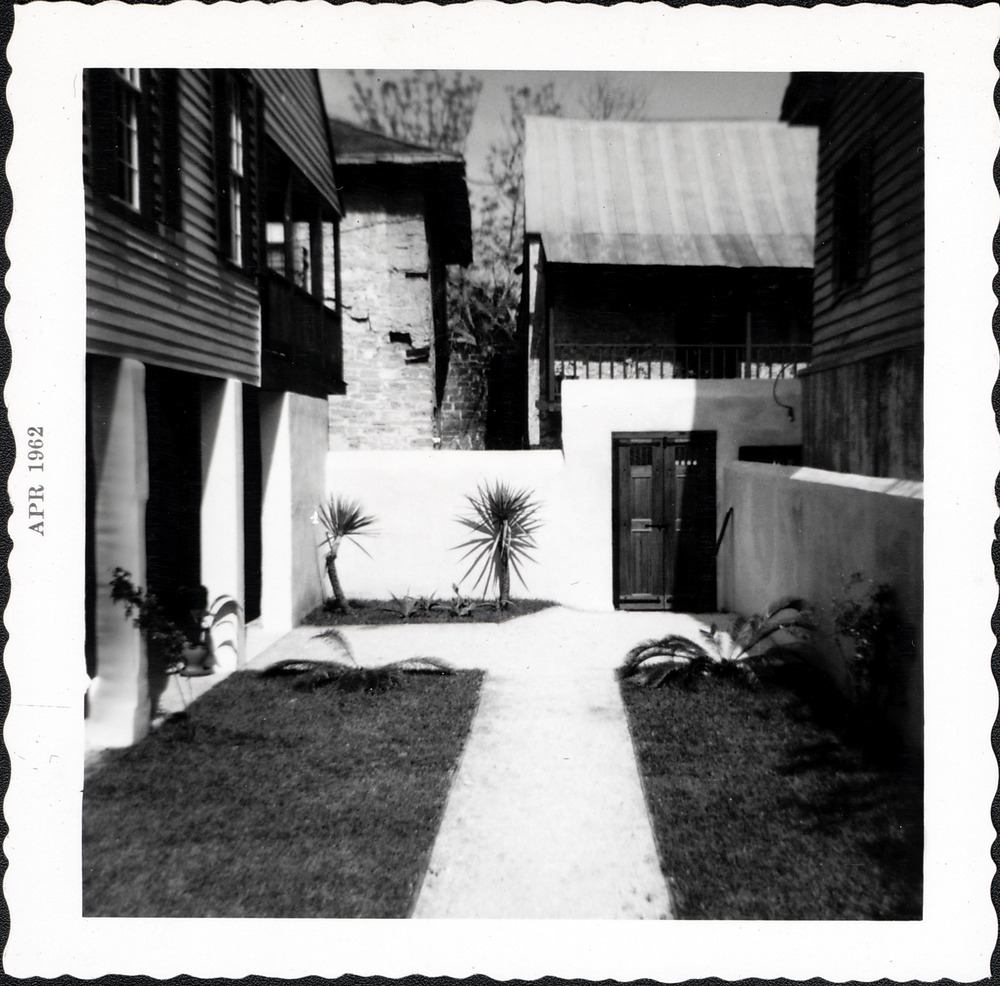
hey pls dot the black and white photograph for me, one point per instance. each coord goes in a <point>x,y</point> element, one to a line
<point>506,464</point>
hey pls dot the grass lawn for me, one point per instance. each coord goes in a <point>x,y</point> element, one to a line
<point>376,612</point>
<point>760,811</point>
<point>286,803</point>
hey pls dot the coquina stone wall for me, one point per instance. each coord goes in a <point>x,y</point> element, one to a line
<point>388,326</point>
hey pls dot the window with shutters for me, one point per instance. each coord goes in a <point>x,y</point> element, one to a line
<point>132,148</point>
<point>236,126</point>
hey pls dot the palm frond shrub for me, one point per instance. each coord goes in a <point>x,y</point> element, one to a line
<point>784,629</point>
<point>342,519</point>
<point>349,676</point>
<point>503,522</point>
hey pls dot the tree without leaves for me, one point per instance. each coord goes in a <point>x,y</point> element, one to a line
<point>484,299</point>
<point>607,100</point>
<point>428,108</point>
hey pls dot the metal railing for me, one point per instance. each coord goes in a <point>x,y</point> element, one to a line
<point>654,361</point>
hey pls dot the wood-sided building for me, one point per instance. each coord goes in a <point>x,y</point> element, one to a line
<point>863,392</point>
<point>209,355</point>
<point>664,250</point>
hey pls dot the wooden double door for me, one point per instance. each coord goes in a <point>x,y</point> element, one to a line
<point>664,513</point>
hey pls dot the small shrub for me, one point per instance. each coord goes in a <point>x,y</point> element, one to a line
<point>867,618</point>
<point>460,606</point>
<point>404,608</point>
<point>783,629</point>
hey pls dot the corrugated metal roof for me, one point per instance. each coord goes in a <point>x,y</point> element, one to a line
<point>718,193</point>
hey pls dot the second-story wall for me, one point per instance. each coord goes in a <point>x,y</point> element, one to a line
<point>863,396</point>
<point>157,288</point>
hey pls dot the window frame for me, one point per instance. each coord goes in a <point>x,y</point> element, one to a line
<point>133,165</point>
<point>127,114</point>
<point>237,130</point>
<point>852,219</point>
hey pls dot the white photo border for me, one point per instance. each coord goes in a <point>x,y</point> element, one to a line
<point>953,46</point>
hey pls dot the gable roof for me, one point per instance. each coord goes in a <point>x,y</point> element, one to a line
<point>363,155</point>
<point>355,145</point>
<point>718,193</point>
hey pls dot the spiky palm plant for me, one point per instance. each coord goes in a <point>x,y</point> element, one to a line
<point>343,520</point>
<point>503,522</point>
<point>680,659</point>
<point>349,676</point>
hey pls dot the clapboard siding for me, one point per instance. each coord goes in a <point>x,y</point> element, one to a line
<point>888,110</point>
<point>153,300</point>
<point>867,417</point>
<point>295,118</point>
<point>198,185</point>
<point>161,295</point>
<point>863,394</point>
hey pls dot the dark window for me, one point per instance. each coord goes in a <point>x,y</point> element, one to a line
<point>852,219</point>
<point>132,155</point>
<point>776,455</point>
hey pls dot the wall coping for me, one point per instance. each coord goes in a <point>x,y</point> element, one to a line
<point>910,489</point>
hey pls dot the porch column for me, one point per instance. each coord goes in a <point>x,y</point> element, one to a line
<point>276,607</point>
<point>118,698</point>
<point>222,566</point>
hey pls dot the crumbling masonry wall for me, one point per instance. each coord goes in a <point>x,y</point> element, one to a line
<point>463,408</point>
<point>388,333</point>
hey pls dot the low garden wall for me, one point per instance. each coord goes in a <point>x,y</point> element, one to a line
<point>803,532</point>
<point>417,494</point>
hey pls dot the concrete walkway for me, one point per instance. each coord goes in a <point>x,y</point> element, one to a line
<point>546,816</point>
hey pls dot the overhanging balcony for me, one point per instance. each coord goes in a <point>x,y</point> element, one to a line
<point>301,346</point>
<point>654,361</point>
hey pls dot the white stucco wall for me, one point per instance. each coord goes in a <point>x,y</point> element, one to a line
<point>118,698</point>
<point>416,495</point>
<point>802,532</point>
<point>293,454</point>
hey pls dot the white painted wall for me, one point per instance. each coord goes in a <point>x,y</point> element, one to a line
<point>118,698</point>
<point>293,457</point>
<point>417,495</point>
<point>798,531</point>
<point>222,556</point>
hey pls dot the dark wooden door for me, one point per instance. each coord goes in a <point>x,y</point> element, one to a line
<point>664,521</point>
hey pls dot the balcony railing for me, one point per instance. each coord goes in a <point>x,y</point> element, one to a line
<point>600,361</point>
<point>302,348</point>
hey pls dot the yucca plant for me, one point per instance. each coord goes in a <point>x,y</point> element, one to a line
<point>503,522</point>
<point>679,659</point>
<point>349,676</point>
<point>342,519</point>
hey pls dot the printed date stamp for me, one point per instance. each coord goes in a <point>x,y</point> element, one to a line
<point>36,494</point>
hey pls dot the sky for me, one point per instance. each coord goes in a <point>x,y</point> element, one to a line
<point>671,96</point>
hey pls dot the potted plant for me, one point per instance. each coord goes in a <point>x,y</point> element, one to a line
<point>180,641</point>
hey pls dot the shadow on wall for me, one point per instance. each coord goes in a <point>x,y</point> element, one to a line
<point>807,532</point>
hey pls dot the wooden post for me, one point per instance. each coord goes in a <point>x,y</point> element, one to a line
<point>749,326</point>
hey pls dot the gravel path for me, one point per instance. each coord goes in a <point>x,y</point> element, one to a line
<point>546,816</point>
